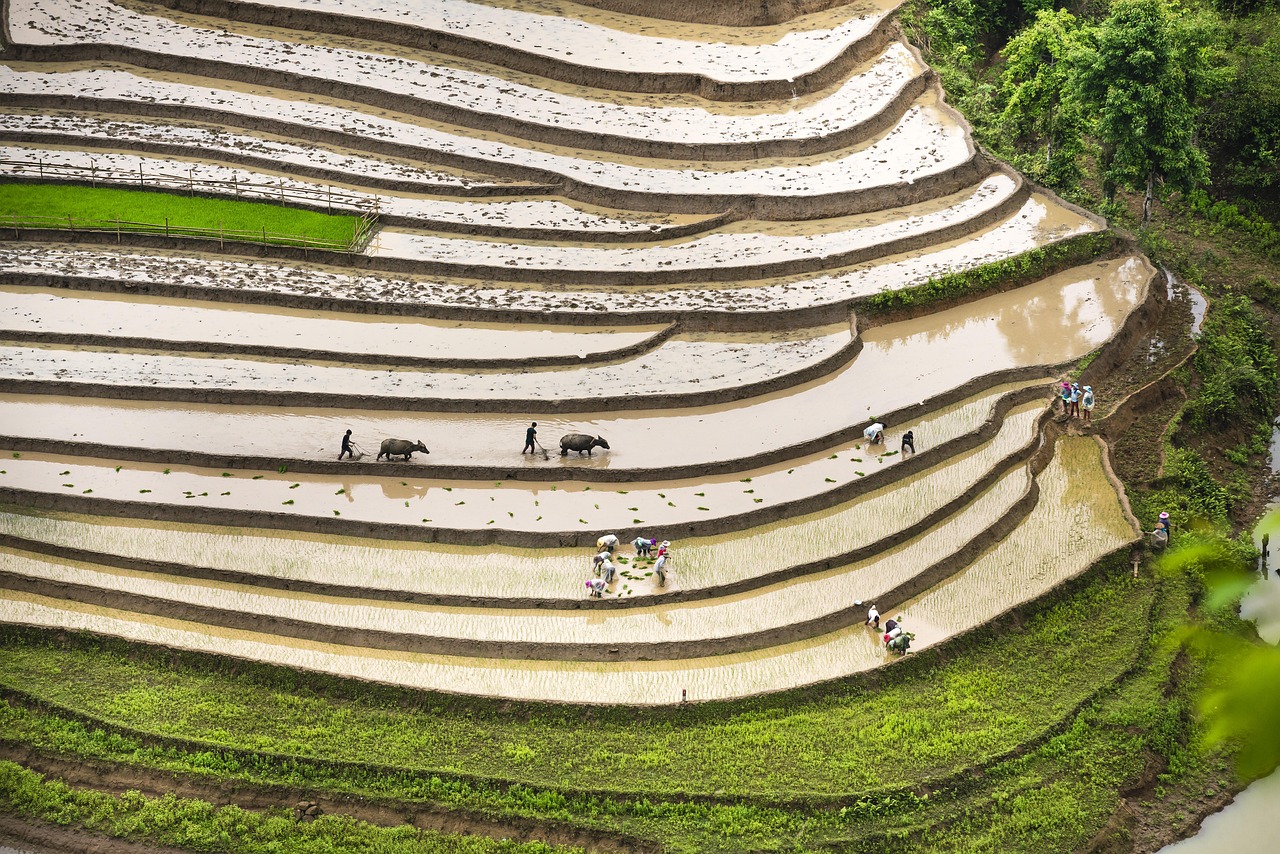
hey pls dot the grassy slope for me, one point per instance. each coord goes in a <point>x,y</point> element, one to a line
<point>990,698</point>
<point>101,203</point>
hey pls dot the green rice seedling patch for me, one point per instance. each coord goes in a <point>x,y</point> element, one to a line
<point>104,204</point>
<point>990,697</point>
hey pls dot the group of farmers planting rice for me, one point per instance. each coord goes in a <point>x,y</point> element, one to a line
<point>602,563</point>
<point>895,637</point>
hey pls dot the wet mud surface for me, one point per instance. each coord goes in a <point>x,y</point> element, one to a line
<point>1078,499</point>
<point>182,324</point>
<point>1059,319</point>
<point>204,276</point>
<point>814,540</point>
<point>470,94</point>
<point>641,229</point>
<point>722,362</point>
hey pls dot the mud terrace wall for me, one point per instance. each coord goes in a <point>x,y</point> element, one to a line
<point>664,228</point>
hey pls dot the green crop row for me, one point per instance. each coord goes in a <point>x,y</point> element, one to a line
<point>848,738</point>
<point>1009,272</point>
<point>50,206</point>
<point>1045,796</point>
<point>199,826</point>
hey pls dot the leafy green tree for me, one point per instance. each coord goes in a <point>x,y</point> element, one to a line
<point>1039,91</point>
<point>1241,125</point>
<point>1237,366</point>
<point>1142,79</point>
<point>1241,708</point>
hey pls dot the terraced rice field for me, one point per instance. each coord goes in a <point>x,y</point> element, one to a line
<point>673,236</point>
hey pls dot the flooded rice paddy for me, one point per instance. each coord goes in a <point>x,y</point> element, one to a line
<point>354,167</point>
<point>1078,519</point>
<point>743,245</point>
<point>459,88</point>
<point>700,562</point>
<point>1061,318</point>
<point>927,140</point>
<point>582,36</point>
<point>114,168</point>
<point>1076,499</point>
<point>182,322</point>
<point>723,362</point>
<point>1037,223</point>
<point>722,136</point>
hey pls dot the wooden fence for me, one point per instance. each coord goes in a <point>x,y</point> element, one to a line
<point>365,208</point>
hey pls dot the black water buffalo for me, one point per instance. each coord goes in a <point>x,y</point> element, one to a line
<point>400,447</point>
<point>581,442</point>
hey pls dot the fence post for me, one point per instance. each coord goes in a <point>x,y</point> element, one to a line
<point>70,225</point>
<point>219,234</point>
<point>16,236</point>
<point>141,181</point>
<point>235,185</point>
<point>166,226</point>
<point>264,235</point>
<point>191,184</point>
<point>281,191</point>
<point>93,172</point>
<point>117,228</point>
<point>40,165</point>
<point>329,191</point>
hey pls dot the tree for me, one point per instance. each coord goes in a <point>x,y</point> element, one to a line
<point>1240,709</point>
<point>1141,80</point>
<point>1039,90</point>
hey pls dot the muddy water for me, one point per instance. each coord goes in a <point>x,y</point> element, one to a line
<point>788,481</point>
<point>122,168</point>
<point>467,86</point>
<point>927,140</point>
<point>355,164</point>
<point>77,312</point>
<point>463,505</point>
<point>1058,319</point>
<point>771,607</point>
<point>1030,227</point>
<point>699,562</point>
<point>632,683</point>
<point>589,37</point>
<point>1077,520</point>
<point>745,245</point>
<point>718,362</point>
<point>851,650</point>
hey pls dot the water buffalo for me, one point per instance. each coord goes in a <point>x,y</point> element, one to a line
<point>581,442</point>
<point>400,447</point>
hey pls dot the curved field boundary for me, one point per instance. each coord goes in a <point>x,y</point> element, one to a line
<point>559,405</point>
<point>814,503</point>
<point>478,190</point>
<point>91,773</point>
<point>1065,253</point>
<point>721,13</point>
<point>490,122</point>
<point>300,354</point>
<point>747,206</point>
<point>916,664</point>
<point>504,56</point>
<point>846,435</point>
<point>521,233</point>
<point>531,650</point>
<point>490,536</point>
<point>461,268</point>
